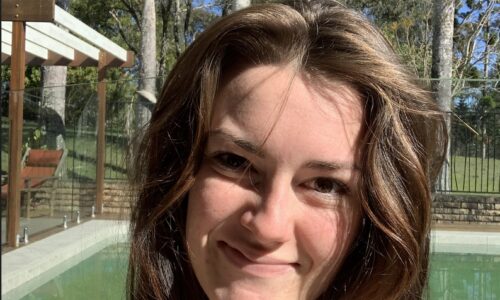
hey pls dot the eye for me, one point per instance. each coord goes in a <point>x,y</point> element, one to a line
<point>231,161</point>
<point>325,185</point>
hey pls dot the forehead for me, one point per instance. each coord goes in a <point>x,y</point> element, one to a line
<point>273,89</point>
<point>274,106</point>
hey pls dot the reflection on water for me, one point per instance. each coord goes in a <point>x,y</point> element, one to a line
<point>464,276</point>
<point>103,275</point>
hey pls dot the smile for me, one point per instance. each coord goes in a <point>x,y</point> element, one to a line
<point>261,267</point>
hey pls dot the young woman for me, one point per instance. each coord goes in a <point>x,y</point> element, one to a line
<point>290,156</point>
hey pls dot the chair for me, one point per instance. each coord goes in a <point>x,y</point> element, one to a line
<point>39,167</point>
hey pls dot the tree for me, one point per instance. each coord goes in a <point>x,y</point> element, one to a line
<point>147,83</point>
<point>475,38</point>
<point>240,4</point>
<point>54,100</point>
<point>407,25</point>
<point>442,62</point>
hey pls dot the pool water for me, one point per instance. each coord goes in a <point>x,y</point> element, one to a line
<point>464,276</point>
<point>103,276</point>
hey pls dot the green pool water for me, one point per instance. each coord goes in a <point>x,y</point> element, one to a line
<point>103,276</point>
<point>464,276</point>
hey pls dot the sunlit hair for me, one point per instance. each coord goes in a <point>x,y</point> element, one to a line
<point>402,146</point>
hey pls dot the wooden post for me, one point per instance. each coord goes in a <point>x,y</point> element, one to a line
<point>16,96</point>
<point>101,124</point>
<point>28,198</point>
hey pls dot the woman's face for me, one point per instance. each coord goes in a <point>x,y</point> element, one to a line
<point>273,212</point>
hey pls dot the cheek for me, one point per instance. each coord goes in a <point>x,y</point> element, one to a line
<point>328,235</point>
<point>212,200</point>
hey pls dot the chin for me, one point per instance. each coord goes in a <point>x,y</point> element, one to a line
<point>239,292</point>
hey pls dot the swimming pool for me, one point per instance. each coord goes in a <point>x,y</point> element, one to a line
<point>103,275</point>
<point>464,276</point>
<point>31,266</point>
<point>89,261</point>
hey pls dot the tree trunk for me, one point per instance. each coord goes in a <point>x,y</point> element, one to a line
<point>53,105</point>
<point>147,84</point>
<point>54,99</point>
<point>240,4</point>
<point>177,25</point>
<point>486,72</point>
<point>442,58</point>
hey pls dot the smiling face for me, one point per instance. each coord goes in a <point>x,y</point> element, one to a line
<point>273,212</point>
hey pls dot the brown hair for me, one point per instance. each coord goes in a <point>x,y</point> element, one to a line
<point>402,147</point>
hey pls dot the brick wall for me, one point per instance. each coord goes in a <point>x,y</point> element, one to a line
<point>446,208</point>
<point>72,196</point>
<point>476,209</point>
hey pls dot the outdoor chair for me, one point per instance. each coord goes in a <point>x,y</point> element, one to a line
<point>41,170</point>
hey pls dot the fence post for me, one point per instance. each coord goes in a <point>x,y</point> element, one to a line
<point>101,124</point>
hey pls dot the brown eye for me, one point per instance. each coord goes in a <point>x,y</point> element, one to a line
<point>325,185</point>
<point>231,161</point>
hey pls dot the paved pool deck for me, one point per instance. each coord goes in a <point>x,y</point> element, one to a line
<point>466,238</point>
<point>57,253</point>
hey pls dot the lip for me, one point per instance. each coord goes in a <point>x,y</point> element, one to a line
<point>260,267</point>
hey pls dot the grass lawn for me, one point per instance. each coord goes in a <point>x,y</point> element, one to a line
<point>473,174</point>
<point>468,174</point>
<point>81,159</point>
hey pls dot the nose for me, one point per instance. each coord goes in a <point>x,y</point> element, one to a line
<point>271,221</point>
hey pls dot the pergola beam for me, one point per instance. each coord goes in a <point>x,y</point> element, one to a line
<point>28,10</point>
<point>55,46</point>
<point>44,41</point>
<point>31,48</point>
<point>66,38</point>
<point>84,31</point>
<point>101,124</point>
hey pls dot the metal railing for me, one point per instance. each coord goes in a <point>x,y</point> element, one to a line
<point>474,156</point>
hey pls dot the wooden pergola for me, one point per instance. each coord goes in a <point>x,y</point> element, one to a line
<point>39,33</point>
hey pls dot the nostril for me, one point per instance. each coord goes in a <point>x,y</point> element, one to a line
<point>267,227</point>
<point>246,220</point>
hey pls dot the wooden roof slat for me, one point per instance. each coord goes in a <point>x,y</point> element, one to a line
<point>90,35</point>
<point>6,48</point>
<point>66,38</point>
<point>45,41</point>
<point>49,43</point>
<point>31,48</point>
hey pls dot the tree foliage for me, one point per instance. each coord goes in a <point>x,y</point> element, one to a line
<point>406,24</point>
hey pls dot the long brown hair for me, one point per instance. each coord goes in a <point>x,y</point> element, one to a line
<point>403,143</point>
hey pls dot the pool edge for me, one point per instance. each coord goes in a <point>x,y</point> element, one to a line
<point>27,263</point>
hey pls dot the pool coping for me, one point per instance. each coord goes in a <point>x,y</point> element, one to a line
<point>27,263</point>
<point>469,242</point>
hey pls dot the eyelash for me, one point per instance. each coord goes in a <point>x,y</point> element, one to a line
<point>227,161</point>
<point>336,188</point>
<point>237,164</point>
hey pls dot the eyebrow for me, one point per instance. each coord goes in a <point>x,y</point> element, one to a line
<point>331,166</point>
<point>256,150</point>
<point>244,144</point>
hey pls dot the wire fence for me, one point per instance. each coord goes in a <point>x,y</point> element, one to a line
<point>473,162</point>
<point>473,165</point>
<point>474,157</point>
